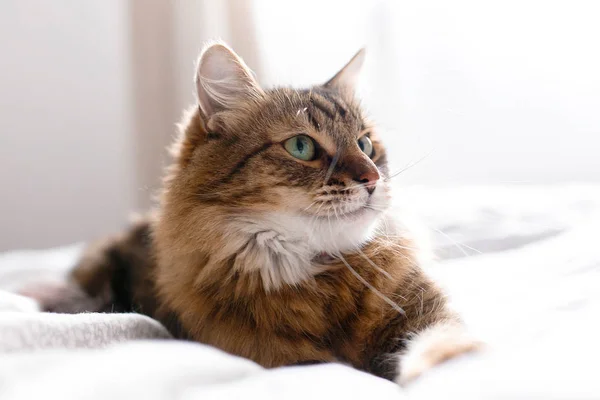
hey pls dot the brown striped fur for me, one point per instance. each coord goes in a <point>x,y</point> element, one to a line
<point>185,265</point>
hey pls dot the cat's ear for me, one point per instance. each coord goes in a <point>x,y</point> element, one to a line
<point>347,77</point>
<point>223,80</point>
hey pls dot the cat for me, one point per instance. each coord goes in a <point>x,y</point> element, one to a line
<point>273,239</point>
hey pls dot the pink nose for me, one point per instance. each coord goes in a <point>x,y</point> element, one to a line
<point>361,169</point>
<point>369,178</point>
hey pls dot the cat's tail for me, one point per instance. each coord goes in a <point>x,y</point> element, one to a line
<point>63,297</point>
<point>103,279</point>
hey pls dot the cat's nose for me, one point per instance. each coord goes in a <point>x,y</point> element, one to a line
<point>369,179</point>
<point>363,170</point>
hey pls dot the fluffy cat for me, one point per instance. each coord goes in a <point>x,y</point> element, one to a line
<point>272,238</point>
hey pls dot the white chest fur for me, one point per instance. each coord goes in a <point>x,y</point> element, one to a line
<point>281,247</point>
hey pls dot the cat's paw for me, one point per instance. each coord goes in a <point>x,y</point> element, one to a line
<point>432,347</point>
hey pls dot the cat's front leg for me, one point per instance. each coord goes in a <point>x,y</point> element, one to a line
<point>432,346</point>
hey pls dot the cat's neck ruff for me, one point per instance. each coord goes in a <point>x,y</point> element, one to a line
<point>284,249</point>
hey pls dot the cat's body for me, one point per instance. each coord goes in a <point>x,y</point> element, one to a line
<point>272,239</point>
<point>334,317</point>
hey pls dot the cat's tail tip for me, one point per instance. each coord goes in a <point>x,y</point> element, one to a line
<point>60,297</point>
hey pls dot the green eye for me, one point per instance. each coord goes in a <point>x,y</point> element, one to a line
<point>365,145</point>
<point>301,147</point>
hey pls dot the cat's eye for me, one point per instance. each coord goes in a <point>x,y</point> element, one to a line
<point>366,145</point>
<point>302,147</point>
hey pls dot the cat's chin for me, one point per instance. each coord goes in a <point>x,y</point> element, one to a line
<point>286,247</point>
<point>348,231</point>
<point>343,233</point>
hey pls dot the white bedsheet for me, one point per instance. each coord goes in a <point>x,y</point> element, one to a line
<point>532,291</point>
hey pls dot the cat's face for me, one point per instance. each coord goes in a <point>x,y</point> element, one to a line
<point>305,163</point>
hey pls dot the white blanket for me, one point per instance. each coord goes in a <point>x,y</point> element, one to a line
<point>522,264</point>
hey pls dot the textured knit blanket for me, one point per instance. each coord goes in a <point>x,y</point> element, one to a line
<point>522,264</point>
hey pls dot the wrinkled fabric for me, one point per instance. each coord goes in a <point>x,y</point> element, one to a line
<point>521,264</point>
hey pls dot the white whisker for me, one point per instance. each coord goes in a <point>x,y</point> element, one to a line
<point>334,161</point>
<point>377,267</point>
<point>458,245</point>
<point>371,287</point>
<point>311,204</point>
<point>395,174</point>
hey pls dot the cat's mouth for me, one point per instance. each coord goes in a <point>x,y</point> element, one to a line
<point>352,214</point>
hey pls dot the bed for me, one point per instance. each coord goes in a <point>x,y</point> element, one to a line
<point>521,263</point>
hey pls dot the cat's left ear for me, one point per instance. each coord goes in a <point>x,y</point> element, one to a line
<point>347,77</point>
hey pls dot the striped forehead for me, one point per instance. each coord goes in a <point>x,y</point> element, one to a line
<point>330,114</point>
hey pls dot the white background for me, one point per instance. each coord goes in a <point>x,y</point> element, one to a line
<point>488,92</point>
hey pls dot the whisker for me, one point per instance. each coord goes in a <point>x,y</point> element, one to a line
<point>375,208</point>
<point>316,214</point>
<point>409,166</point>
<point>371,287</point>
<point>400,246</point>
<point>377,267</point>
<point>311,204</point>
<point>334,161</point>
<point>347,188</point>
<point>458,245</point>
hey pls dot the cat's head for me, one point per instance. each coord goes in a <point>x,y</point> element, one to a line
<point>305,162</point>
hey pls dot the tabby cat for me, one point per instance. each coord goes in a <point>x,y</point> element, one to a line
<point>272,239</point>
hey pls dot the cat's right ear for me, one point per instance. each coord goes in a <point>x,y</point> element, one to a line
<point>223,80</point>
